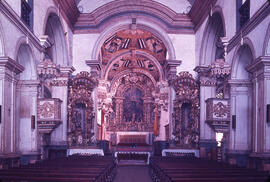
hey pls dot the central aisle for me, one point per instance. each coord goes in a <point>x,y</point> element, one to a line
<point>132,174</point>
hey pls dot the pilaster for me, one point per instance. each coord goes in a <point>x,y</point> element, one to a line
<point>260,70</point>
<point>8,70</point>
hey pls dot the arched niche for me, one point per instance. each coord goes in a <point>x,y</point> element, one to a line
<point>26,97</point>
<point>241,98</point>
<point>266,46</point>
<point>242,59</point>
<point>25,58</point>
<point>58,50</point>
<point>211,48</point>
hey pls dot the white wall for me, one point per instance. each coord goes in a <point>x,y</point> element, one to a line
<point>83,45</point>
<point>184,46</point>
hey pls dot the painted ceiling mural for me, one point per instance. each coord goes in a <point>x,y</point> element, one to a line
<point>132,40</point>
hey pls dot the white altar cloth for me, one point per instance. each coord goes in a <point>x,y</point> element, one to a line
<point>196,152</point>
<point>133,152</point>
<point>85,151</point>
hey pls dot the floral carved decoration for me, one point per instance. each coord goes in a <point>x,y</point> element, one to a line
<point>186,111</point>
<point>80,109</point>
<point>220,110</point>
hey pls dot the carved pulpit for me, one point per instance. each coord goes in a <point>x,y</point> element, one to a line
<point>218,114</point>
<point>48,114</point>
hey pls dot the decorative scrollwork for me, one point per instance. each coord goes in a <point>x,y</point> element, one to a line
<point>186,111</point>
<point>80,109</point>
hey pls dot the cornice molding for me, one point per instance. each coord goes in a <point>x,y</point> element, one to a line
<point>11,65</point>
<point>259,63</point>
<point>16,20</point>
<point>199,11</point>
<point>97,20</point>
<point>256,19</point>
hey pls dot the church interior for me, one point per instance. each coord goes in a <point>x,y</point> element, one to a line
<point>177,88</point>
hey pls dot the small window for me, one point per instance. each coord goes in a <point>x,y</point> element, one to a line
<point>243,13</point>
<point>27,12</point>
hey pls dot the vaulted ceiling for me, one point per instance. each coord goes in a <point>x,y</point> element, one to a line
<point>182,6</point>
<point>174,16</point>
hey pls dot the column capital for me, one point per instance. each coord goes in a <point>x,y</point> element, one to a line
<point>95,67</point>
<point>171,66</point>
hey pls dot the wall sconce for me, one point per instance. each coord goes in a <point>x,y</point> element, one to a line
<point>268,113</point>
<point>233,121</point>
<point>33,122</point>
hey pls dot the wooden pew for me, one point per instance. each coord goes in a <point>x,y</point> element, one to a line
<point>71,169</point>
<point>175,169</point>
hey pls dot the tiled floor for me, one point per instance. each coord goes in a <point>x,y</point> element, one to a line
<point>134,173</point>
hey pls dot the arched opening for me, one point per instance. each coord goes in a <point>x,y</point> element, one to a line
<point>212,47</point>
<point>25,101</point>
<point>58,50</point>
<point>241,100</point>
<point>25,59</point>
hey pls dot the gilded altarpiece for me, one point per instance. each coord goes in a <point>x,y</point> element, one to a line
<point>186,111</point>
<point>133,104</point>
<point>80,110</point>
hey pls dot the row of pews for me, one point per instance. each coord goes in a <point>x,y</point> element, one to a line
<point>69,169</point>
<point>179,169</point>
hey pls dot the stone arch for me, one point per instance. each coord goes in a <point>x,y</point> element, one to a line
<point>246,49</point>
<point>159,32</point>
<point>215,29</point>
<point>25,57</point>
<point>266,45</point>
<point>54,29</point>
<point>26,97</point>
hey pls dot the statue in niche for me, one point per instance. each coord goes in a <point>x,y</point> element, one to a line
<point>133,105</point>
<point>185,122</point>
<point>79,113</point>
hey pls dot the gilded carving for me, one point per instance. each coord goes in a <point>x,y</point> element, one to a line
<point>133,104</point>
<point>186,111</point>
<point>80,110</point>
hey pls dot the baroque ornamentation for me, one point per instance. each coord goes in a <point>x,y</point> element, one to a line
<point>80,110</point>
<point>48,114</point>
<point>186,111</point>
<point>218,114</point>
<point>133,104</point>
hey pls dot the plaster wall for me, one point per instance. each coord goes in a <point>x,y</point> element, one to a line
<point>255,6</point>
<point>184,45</point>
<point>15,5</point>
<point>83,45</point>
<point>241,101</point>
